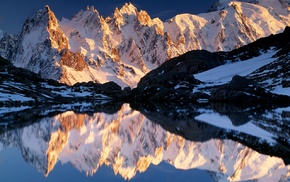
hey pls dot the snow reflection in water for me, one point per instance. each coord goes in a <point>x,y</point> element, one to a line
<point>129,143</point>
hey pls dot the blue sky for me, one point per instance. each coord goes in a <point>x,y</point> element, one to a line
<point>14,12</point>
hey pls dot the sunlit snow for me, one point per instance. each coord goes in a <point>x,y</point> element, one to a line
<point>223,74</point>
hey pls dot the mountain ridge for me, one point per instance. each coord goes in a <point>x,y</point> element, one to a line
<point>256,71</point>
<point>128,44</point>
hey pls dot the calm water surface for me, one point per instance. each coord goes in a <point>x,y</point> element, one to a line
<point>206,145</point>
<point>12,161</point>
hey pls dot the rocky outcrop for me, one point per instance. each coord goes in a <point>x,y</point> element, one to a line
<point>277,73</point>
<point>241,91</point>
<point>173,81</point>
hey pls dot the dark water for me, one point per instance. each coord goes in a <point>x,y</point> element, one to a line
<point>156,143</point>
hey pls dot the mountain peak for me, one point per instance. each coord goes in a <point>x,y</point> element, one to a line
<point>92,9</point>
<point>117,13</point>
<point>88,19</point>
<point>129,9</point>
<point>47,8</point>
<point>39,43</point>
<point>42,18</point>
<point>144,18</point>
<point>50,24</point>
<point>127,13</point>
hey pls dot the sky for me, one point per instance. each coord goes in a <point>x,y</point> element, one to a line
<point>13,13</point>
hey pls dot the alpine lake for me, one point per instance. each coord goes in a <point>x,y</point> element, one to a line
<point>149,142</point>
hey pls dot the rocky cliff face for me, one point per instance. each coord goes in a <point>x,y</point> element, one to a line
<point>41,47</point>
<point>36,48</point>
<point>126,45</point>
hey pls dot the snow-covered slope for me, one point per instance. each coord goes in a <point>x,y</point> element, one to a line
<point>268,70</point>
<point>224,73</point>
<point>126,45</point>
<point>129,143</point>
<point>259,69</point>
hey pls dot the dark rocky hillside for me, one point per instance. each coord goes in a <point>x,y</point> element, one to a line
<point>174,80</point>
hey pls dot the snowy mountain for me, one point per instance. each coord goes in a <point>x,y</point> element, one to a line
<point>41,45</point>
<point>128,44</point>
<point>255,74</point>
<point>129,143</point>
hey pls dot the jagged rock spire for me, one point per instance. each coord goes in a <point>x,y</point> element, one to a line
<point>128,8</point>
<point>44,17</point>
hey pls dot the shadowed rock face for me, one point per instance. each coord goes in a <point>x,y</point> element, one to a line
<point>173,81</point>
<point>241,90</point>
<point>182,67</point>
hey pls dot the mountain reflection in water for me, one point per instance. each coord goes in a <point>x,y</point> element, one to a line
<point>230,143</point>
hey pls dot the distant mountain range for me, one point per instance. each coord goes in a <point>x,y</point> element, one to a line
<point>128,44</point>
